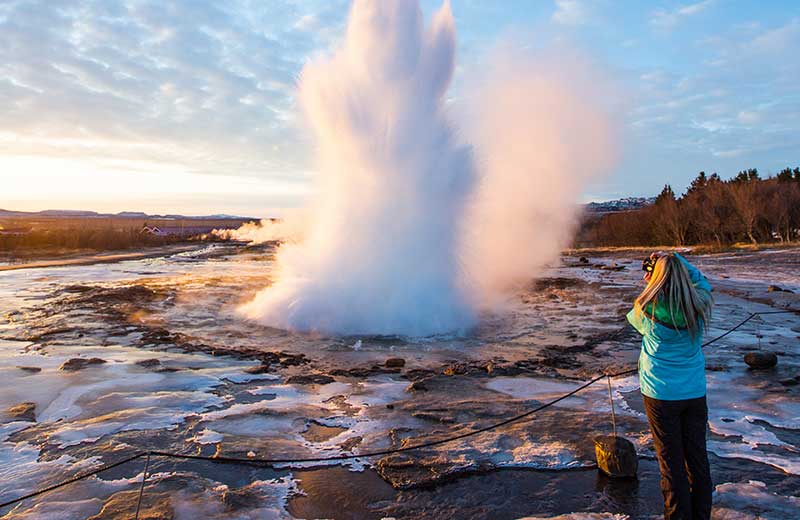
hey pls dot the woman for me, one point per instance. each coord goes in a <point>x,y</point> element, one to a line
<point>671,314</point>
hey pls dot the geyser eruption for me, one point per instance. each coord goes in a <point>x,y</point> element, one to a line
<point>405,235</point>
<point>382,251</point>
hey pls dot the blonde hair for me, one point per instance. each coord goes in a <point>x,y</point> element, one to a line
<point>670,281</point>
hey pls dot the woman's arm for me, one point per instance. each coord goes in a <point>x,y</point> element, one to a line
<point>698,278</point>
<point>640,322</point>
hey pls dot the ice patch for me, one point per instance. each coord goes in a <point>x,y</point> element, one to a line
<point>752,501</point>
<point>271,499</point>
<point>593,398</point>
<point>580,516</point>
<point>790,463</point>
<point>207,437</point>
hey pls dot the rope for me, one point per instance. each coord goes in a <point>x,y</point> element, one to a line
<point>379,453</point>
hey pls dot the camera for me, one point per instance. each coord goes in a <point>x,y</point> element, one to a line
<point>648,264</point>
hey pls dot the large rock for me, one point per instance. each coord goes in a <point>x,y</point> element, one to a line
<point>761,359</point>
<point>616,456</point>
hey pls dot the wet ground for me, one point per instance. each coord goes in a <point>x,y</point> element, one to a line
<point>102,361</point>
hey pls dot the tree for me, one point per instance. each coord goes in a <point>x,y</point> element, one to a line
<point>698,184</point>
<point>785,175</point>
<point>744,193</point>
<point>670,221</point>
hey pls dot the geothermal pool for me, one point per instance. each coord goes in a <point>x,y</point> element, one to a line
<point>177,369</point>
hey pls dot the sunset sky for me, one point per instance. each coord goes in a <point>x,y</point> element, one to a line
<point>189,106</point>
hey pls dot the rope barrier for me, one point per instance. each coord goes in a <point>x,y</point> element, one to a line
<point>379,453</point>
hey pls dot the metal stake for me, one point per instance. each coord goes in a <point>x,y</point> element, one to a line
<point>611,400</point>
<point>141,489</point>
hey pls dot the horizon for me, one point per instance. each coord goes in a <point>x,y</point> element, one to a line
<point>193,111</point>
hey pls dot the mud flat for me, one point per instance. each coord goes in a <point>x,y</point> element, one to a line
<point>103,361</point>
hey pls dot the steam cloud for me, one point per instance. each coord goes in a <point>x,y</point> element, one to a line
<point>405,235</point>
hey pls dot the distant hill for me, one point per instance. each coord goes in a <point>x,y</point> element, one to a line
<point>72,213</point>
<point>625,204</point>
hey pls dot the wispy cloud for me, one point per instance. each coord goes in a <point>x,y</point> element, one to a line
<point>571,12</point>
<point>204,84</point>
<point>669,18</point>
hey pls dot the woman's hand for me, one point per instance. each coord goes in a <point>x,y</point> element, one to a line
<point>655,255</point>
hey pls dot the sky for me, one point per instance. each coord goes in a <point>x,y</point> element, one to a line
<point>189,106</point>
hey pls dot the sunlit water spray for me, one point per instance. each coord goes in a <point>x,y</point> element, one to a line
<point>404,234</point>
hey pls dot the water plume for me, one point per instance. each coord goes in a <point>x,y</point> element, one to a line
<point>542,129</point>
<point>404,235</point>
<point>381,253</point>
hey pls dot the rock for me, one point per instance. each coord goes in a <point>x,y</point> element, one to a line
<point>395,362</point>
<point>792,381</point>
<point>778,288</point>
<point>761,359</point>
<point>263,368</point>
<point>351,443</point>
<point>438,416</point>
<point>455,369</point>
<point>23,412</point>
<point>32,370</point>
<point>417,386</point>
<point>242,498</point>
<point>80,363</point>
<point>583,260</point>
<point>310,379</point>
<point>616,456</point>
<point>148,363</point>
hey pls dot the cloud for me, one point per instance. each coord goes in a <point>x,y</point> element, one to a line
<point>570,12</point>
<point>668,19</point>
<point>739,107</point>
<point>205,85</point>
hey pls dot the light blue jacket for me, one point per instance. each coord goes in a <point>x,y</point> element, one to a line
<point>671,363</point>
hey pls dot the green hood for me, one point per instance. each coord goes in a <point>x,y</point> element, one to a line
<point>662,315</point>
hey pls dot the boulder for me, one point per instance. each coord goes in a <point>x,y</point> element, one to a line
<point>395,362</point>
<point>616,456</point>
<point>80,363</point>
<point>761,359</point>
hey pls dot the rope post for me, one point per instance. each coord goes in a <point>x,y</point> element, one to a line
<point>611,400</point>
<point>141,488</point>
<point>758,330</point>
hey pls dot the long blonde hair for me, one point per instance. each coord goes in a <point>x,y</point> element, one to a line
<point>670,281</point>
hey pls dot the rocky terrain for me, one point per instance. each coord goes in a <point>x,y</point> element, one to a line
<point>101,362</point>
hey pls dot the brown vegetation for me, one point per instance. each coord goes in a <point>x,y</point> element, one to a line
<point>25,238</point>
<point>745,208</point>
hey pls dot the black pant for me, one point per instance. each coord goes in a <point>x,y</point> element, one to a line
<point>679,436</point>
